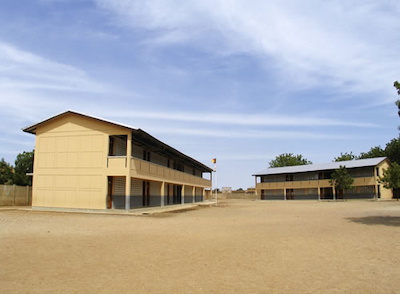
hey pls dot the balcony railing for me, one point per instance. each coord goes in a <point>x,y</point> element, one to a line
<point>117,162</point>
<point>148,170</point>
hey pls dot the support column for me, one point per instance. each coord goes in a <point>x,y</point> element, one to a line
<point>128,172</point>
<point>162,193</point>
<point>193,194</point>
<point>255,187</point>
<point>128,193</point>
<point>284,194</point>
<point>183,195</point>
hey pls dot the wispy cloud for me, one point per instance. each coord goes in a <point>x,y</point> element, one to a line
<point>325,44</point>
<point>248,133</point>
<point>31,85</point>
<point>23,70</point>
<point>240,119</point>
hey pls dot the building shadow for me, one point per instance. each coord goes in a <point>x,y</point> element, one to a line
<point>393,221</point>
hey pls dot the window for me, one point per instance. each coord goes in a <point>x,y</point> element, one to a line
<point>117,145</point>
<point>289,178</point>
<point>178,166</point>
<point>146,155</point>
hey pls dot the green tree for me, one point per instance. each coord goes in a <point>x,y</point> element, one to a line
<point>341,181</point>
<point>23,165</point>
<point>373,152</point>
<point>345,157</point>
<point>6,173</point>
<point>397,86</point>
<point>288,159</point>
<point>392,150</point>
<point>391,178</point>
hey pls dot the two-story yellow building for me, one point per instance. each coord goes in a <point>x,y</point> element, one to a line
<point>312,181</point>
<point>86,162</point>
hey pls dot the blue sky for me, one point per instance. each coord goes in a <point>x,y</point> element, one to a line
<point>242,81</point>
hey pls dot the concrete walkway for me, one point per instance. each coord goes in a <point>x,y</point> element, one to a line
<point>131,212</point>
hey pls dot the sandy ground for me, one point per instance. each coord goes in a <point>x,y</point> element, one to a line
<point>238,247</point>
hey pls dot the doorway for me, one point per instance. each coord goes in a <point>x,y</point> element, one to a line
<point>326,193</point>
<point>109,193</point>
<point>289,194</point>
<point>146,194</point>
<point>177,197</point>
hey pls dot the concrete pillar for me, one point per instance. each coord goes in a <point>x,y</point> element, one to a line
<point>128,193</point>
<point>183,195</point>
<point>162,193</point>
<point>255,187</point>
<point>128,172</point>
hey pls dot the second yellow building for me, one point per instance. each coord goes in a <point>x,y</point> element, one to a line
<point>312,181</point>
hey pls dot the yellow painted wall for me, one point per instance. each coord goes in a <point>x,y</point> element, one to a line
<point>71,162</point>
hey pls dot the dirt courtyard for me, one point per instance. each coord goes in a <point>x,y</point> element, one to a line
<point>237,247</point>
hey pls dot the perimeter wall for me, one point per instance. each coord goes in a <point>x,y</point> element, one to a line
<point>12,195</point>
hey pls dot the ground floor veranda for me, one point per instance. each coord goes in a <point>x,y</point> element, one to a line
<point>145,193</point>
<point>320,193</point>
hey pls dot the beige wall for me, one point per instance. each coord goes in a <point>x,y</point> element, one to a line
<point>70,163</point>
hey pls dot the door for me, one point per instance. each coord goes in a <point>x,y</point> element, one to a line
<point>289,194</point>
<point>146,193</point>
<point>109,192</point>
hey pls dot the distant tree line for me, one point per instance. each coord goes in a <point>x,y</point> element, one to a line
<point>391,151</point>
<point>17,174</point>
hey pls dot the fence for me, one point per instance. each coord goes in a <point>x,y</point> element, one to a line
<point>238,195</point>
<point>11,195</point>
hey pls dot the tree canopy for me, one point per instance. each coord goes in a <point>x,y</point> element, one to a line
<point>345,157</point>
<point>392,150</point>
<point>16,175</point>
<point>6,173</point>
<point>372,153</point>
<point>288,159</point>
<point>23,165</point>
<point>341,180</point>
<point>397,86</point>
<point>391,178</point>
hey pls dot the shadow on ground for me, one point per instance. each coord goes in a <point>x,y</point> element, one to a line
<point>393,221</point>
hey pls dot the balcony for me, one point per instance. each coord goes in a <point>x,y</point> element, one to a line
<point>151,171</point>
